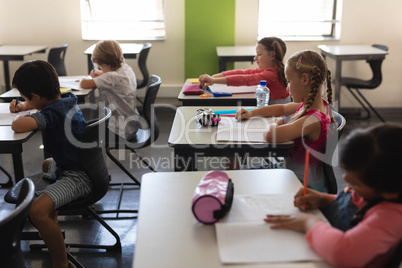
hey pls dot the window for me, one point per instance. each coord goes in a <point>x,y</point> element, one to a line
<point>300,20</point>
<point>122,19</point>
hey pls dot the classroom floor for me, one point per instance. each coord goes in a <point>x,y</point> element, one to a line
<point>78,229</point>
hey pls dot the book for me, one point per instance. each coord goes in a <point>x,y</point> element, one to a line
<point>243,236</point>
<point>250,130</point>
<point>232,89</point>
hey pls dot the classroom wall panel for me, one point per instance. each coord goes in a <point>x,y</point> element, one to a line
<point>208,24</point>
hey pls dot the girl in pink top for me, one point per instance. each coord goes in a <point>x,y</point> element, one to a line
<point>269,58</point>
<point>366,217</point>
<point>306,71</point>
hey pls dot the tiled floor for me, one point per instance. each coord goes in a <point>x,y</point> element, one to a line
<point>77,229</point>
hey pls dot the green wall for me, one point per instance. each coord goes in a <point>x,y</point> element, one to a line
<point>208,24</point>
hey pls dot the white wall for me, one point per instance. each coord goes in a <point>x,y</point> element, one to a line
<point>54,22</point>
<point>363,22</point>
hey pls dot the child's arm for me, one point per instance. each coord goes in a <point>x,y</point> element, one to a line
<point>24,123</point>
<point>268,111</point>
<point>21,106</point>
<point>206,80</point>
<point>308,127</point>
<point>87,83</point>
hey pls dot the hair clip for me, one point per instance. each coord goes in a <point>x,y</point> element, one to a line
<point>298,63</point>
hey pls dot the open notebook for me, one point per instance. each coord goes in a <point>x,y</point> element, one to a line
<point>243,236</point>
<point>232,89</point>
<point>251,130</point>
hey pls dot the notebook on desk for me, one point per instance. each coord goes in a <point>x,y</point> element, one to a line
<point>243,236</point>
<point>233,90</point>
<point>251,130</point>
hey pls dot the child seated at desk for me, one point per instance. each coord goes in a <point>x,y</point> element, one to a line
<point>117,87</point>
<point>38,84</point>
<point>269,58</point>
<point>366,217</point>
<point>306,71</point>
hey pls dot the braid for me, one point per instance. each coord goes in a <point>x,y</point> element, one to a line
<point>280,66</point>
<point>329,87</point>
<point>315,83</point>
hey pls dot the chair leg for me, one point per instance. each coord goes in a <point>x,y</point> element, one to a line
<point>91,212</point>
<point>371,107</point>
<point>9,183</point>
<point>74,260</point>
<point>361,103</point>
<point>109,154</point>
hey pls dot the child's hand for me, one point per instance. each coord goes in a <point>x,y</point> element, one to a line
<point>95,73</point>
<point>312,200</point>
<point>205,80</point>
<point>301,222</point>
<point>21,106</point>
<point>242,114</point>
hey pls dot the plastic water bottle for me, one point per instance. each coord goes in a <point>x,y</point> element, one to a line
<point>262,94</point>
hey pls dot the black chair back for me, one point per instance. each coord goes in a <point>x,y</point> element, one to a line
<point>330,179</point>
<point>375,66</point>
<point>56,58</point>
<point>11,227</point>
<point>93,161</point>
<point>142,64</point>
<point>148,109</point>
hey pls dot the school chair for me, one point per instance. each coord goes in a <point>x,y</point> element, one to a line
<point>330,179</point>
<point>11,227</point>
<point>142,64</point>
<point>56,59</point>
<point>359,84</point>
<point>396,261</point>
<point>91,157</point>
<point>145,137</point>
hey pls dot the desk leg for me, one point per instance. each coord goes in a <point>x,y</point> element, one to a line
<point>184,160</point>
<point>222,65</point>
<point>6,75</point>
<point>18,166</point>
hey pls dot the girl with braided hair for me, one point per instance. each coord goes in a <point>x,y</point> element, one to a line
<point>309,127</point>
<point>269,58</point>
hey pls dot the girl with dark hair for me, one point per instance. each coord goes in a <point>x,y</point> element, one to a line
<point>365,218</point>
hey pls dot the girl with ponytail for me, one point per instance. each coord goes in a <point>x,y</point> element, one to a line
<point>309,126</point>
<point>269,58</point>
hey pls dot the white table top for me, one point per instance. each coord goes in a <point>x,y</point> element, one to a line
<point>230,51</point>
<point>168,234</point>
<point>6,133</point>
<point>185,129</point>
<point>349,50</point>
<point>14,93</point>
<point>9,50</point>
<point>127,48</point>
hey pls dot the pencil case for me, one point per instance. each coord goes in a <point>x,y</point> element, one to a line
<point>213,197</point>
<point>193,89</point>
<point>206,117</point>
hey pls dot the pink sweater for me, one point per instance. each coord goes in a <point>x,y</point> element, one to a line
<point>371,243</point>
<point>252,77</point>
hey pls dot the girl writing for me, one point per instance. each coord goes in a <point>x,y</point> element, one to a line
<point>117,87</point>
<point>269,58</point>
<point>366,217</point>
<point>309,126</point>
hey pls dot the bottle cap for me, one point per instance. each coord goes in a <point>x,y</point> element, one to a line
<point>263,83</point>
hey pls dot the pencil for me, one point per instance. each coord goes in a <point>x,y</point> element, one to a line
<point>307,160</point>
<point>16,103</point>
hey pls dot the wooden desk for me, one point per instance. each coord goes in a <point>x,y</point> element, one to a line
<point>130,51</point>
<point>81,94</point>
<point>190,140</point>
<point>168,234</point>
<point>234,53</point>
<point>247,99</point>
<point>349,52</point>
<point>11,143</point>
<point>8,53</point>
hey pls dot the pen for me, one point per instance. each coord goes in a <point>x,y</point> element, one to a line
<point>307,160</point>
<point>16,103</point>
<point>93,67</point>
